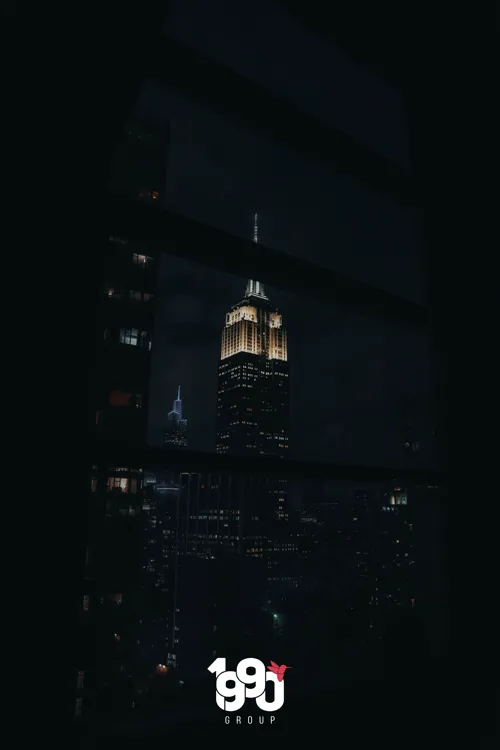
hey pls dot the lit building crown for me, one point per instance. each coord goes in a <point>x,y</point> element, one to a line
<point>253,385</point>
<point>254,328</point>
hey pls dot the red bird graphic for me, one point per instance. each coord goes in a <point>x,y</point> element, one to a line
<point>279,671</point>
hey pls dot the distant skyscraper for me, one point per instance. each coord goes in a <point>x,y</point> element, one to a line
<point>253,387</point>
<point>176,434</point>
<point>395,575</point>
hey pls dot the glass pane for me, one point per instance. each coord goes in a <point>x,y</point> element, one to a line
<point>341,582</point>
<point>302,68</point>
<point>251,370</point>
<point>346,588</point>
<point>220,174</point>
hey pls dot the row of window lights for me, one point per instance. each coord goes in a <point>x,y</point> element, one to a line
<point>213,536</point>
<point>142,260</point>
<point>131,337</point>
<point>220,515</point>
<point>133,294</point>
<point>126,484</point>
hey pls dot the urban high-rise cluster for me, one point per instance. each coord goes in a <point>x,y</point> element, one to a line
<point>184,566</point>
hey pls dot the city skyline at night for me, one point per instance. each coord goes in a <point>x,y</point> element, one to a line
<point>349,375</point>
<point>273,189</point>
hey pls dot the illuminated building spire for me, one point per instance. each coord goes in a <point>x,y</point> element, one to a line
<point>177,407</point>
<point>255,288</point>
<point>177,426</point>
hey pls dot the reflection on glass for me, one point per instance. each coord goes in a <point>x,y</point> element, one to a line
<point>223,564</point>
<point>265,372</point>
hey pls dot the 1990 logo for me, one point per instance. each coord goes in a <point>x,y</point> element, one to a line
<point>248,681</point>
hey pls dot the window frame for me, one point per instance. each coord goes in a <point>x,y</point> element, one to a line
<point>213,85</point>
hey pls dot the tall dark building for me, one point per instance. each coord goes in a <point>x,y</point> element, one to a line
<point>139,163</point>
<point>253,386</point>
<point>417,428</point>
<point>396,555</point>
<point>124,342</point>
<point>205,565</point>
<point>118,405</point>
<point>176,433</point>
<point>119,384</point>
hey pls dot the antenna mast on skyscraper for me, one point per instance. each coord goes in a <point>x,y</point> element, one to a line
<point>255,287</point>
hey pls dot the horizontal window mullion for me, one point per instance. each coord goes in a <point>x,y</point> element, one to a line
<point>177,235</point>
<point>218,88</point>
<point>149,457</point>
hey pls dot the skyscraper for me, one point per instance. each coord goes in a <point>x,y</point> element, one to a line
<point>396,554</point>
<point>203,533</point>
<point>175,434</point>
<point>253,384</point>
<point>139,162</point>
<point>126,277</point>
<point>253,409</point>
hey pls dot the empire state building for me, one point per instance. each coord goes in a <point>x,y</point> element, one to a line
<point>253,384</point>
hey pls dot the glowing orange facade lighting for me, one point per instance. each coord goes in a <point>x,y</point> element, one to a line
<point>254,330</point>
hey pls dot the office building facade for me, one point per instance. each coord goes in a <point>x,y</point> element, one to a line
<point>118,408</point>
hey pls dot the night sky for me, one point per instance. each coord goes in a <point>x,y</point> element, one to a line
<point>348,374</point>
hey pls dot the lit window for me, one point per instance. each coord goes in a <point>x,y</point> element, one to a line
<point>118,483</point>
<point>119,398</point>
<point>129,336</point>
<point>140,296</point>
<point>134,337</point>
<point>141,260</point>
